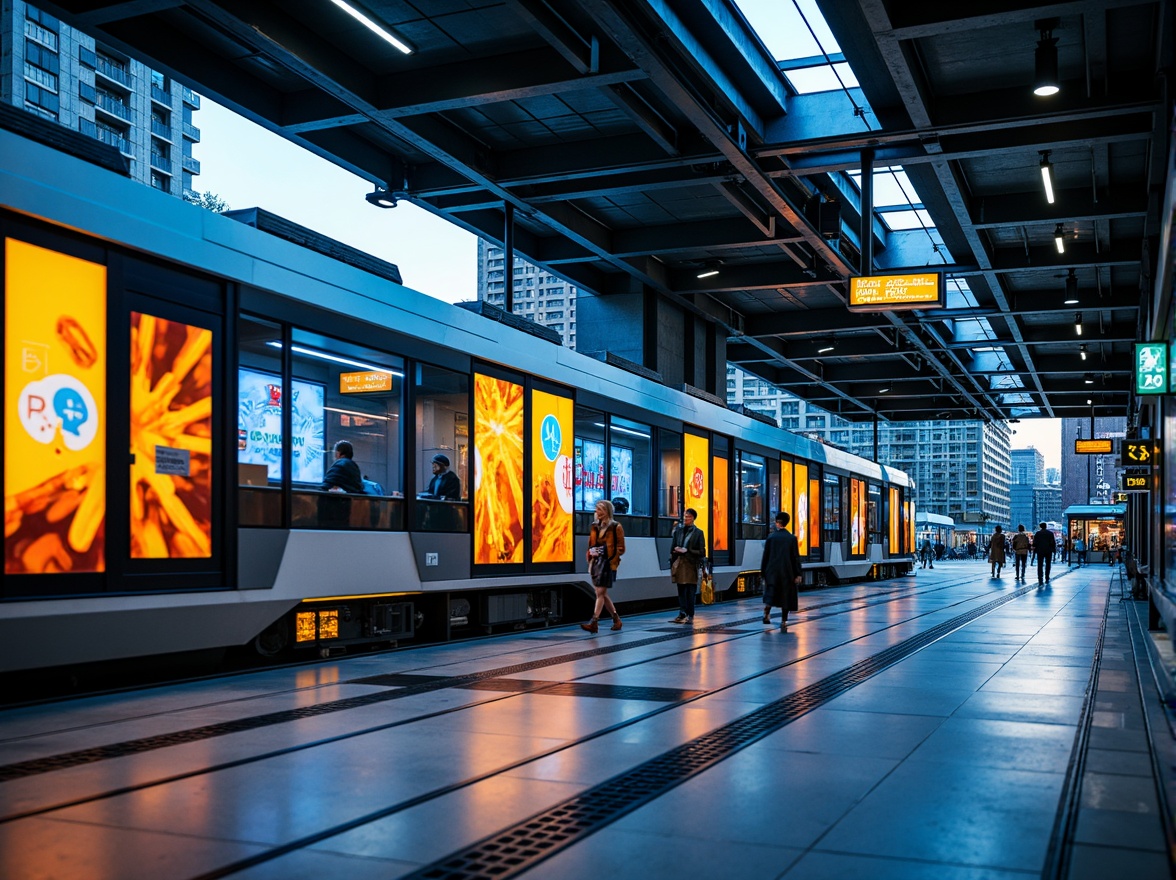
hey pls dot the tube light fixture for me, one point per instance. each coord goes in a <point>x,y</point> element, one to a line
<point>1060,238</point>
<point>1082,351</point>
<point>1072,286</point>
<point>1078,322</point>
<point>883,390</point>
<point>375,28</point>
<point>826,346</point>
<point>1047,176</point>
<point>1089,378</point>
<point>1045,80</point>
<point>709,270</point>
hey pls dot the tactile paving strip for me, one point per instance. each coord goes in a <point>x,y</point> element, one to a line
<point>522,846</point>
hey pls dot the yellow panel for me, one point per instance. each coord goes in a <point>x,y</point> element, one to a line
<point>802,508</point>
<point>54,412</point>
<point>364,381</point>
<point>552,477</point>
<point>719,507</point>
<point>328,624</point>
<point>893,511</point>
<point>696,455</point>
<point>498,471</point>
<point>305,626</point>
<point>786,494</point>
<point>814,522</point>
<point>171,439</point>
<point>887,292</point>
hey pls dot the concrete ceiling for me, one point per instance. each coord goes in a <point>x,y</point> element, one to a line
<point>639,139</point>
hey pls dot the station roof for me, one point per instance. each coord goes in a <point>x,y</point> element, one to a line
<point>640,142</point>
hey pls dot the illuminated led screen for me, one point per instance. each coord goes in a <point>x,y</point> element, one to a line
<point>786,495</point>
<point>551,477</point>
<point>498,471</point>
<point>55,412</point>
<point>720,505</point>
<point>696,458</point>
<point>801,519</point>
<point>259,425</point>
<point>171,439</point>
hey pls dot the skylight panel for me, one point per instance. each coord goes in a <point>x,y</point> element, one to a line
<point>902,220</point>
<point>810,80</point>
<point>781,26</point>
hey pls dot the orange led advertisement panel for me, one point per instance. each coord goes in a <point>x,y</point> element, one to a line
<point>719,505</point>
<point>893,511</point>
<point>54,412</point>
<point>552,477</point>
<point>171,439</point>
<point>799,524</point>
<point>814,522</point>
<point>498,471</point>
<point>855,531</point>
<point>860,533</point>
<point>786,495</point>
<point>696,460</point>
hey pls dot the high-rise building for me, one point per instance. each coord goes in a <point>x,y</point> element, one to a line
<point>63,75</point>
<point>1090,479</point>
<point>538,296</point>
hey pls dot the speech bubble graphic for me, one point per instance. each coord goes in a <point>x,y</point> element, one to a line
<point>61,401</point>
<point>71,409</point>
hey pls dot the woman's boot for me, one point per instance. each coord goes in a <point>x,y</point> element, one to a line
<point>591,626</point>
<point>616,622</point>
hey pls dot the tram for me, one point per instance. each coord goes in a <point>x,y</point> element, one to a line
<point>176,382</point>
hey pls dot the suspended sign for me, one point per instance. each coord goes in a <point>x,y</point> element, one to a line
<point>887,293</point>
<point>1138,454</point>
<point>1093,447</point>
<point>1151,368</point>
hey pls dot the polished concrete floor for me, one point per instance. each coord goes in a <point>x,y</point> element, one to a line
<point>945,726</point>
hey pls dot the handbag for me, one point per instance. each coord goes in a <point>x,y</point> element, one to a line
<point>598,570</point>
<point>708,587</point>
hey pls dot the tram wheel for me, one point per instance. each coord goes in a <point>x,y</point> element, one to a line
<point>272,640</point>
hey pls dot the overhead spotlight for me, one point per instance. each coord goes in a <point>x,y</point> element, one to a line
<point>826,346</point>
<point>1088,378</point>
<point>1078,322</point>
<point>1089,402</point>
<point>709,269</point>
<point>376,28</point>
<point>883,390</point>
<point>1060,238</point>
<point>1047,176</point>
<point>1045,80</point>
<point>1072,286</point>
<point>382,198</point>
<point>1082,351</point>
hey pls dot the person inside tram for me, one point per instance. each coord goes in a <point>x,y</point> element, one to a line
<point>344,475</point>
<point>445,485</point>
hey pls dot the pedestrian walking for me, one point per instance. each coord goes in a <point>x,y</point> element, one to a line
<point>781,570</point>
<point>606,546</point>
<point>1021,544</point>
<point>1044,543</point>
<point>686,555</point>
<point>996,551</point>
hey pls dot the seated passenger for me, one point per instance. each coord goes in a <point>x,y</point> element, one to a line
<point>371,487</point>
<point>620,504</point>
<point>445,485</point>
<point>344,475</point>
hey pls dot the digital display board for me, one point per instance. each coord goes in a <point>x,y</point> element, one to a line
<point>786,496</point>
<point>894,517</point>
<point>54,412</point>
<point>1151,368</point>
<point>171,439</point>
<point>814,521</point>
<point>1093,447</point>
<point>498,471</point>
<point>1130,482</point>
<point>800,521</point>
<point>590,476</point>
<point>259,425</point>
<point>696,460</point>
<point>1138,453</point>
<point>365,381</point>
<point>892,293</point>
<point>552,480</point>
<point>720,502</point>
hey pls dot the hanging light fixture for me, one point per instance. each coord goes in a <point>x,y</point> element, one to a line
<point>1047,176</point>
<point>709,269</point>
<point>1082,350</point>
<point>1078,322</point>
<point>1045,80</point>
<point>826,346</point>
<point>1071,289</point>
<point>1060,238</point>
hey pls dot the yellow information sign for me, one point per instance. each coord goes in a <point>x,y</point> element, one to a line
<point>1138,453</point>
<point>368,380</point>
<point>884,293</point>
<point>1135,482</point>
<point>1093,447</point>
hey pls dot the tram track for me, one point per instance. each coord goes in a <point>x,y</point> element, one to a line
<point>479,680</point>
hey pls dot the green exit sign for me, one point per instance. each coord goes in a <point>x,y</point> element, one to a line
<point>1151,368</point>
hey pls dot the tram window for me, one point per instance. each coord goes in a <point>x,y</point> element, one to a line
<point>873,514</point>
<point>344,391</point>
<point>589,461</point>
<point>669,477</point>
<point>259,423</point>
<point>752,508</point>
<point>832,518</point>
<point>442,428</point>
<point>630,455</point>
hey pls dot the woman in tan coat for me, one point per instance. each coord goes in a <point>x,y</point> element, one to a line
<point>607,539</point>
<point>996,551</point>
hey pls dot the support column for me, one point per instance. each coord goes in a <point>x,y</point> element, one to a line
<point>508,256</point>
<point>867,213</point>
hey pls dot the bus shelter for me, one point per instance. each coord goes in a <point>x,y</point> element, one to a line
<point>940,529</point>
<point>1099,525</point>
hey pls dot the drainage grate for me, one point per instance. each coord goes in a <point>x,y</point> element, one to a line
<point>524,845</point>
<point>585,689</point>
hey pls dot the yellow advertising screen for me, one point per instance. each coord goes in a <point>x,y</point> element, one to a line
<point>893,510</point>
<point>786,496</point>
<point>54,412</point>
<point>498,471</point>
<point>909,511</point>
<point>800,521</point>
<point>814,523</point>
<point>171,439</point>
<point>719,505</point>
<point>896,292</point>
<point>552,477</point>
<point>856,519</point>
<point>367,380</point>
<point>696,458</point>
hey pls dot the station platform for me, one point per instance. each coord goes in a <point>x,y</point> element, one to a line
<point>943,725</point>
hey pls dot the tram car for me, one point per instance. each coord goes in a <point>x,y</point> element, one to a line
<point>176,382</point>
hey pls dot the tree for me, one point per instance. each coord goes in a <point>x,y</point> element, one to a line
<point>209,200</point>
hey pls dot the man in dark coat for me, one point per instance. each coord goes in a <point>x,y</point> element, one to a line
<point>344,474</point>
<point>1044,545</point>
<point>687,555</point>
<point>445,484</point>
<point>781,570</point>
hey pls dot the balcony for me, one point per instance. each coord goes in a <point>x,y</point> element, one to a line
<point>160,96</point>
<point>191,132</point>
<point>190,164</point>
<point>106,135</point>
<point>161,129</point>
<point>43,36</point>
<point>161,163</point>
<point>114,72</point>
<point>113,106</point>
<point>190,97</point>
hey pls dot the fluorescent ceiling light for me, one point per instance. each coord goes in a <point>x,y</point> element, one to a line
<point>323,356</point>
<point>707,273</point>
<point>373,27</point>
<point>1047,177</point>
<point>1060,239</point>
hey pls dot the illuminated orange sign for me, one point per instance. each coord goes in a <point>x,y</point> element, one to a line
<point>54,412</point>
<point>552,477</point>
<point>371,380</point>
<point>800,521</point>
<point>879,293</point>
<point>1093,447</point>
<point>498,470</point>
<point>719,522</point>
<point>696,458</point>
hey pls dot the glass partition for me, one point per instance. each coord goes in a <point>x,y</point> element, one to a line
<point>442,429</point>
<point>832,506</point>
<point>259,423</point>
<point>752,504</point>
<point>630,461</point>
<point>671,501</point>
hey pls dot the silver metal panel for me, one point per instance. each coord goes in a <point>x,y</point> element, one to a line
<point>259,555</point>
<point>441,556</point>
